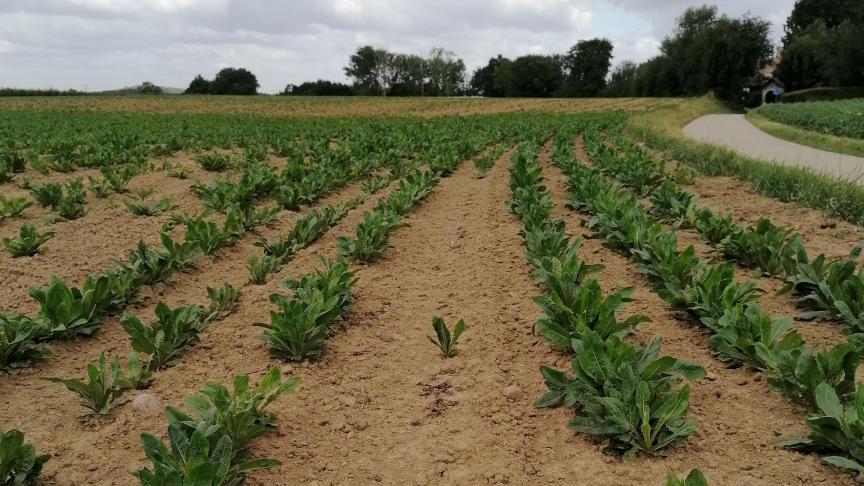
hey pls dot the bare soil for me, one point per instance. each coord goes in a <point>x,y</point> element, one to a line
<point>383,407</point>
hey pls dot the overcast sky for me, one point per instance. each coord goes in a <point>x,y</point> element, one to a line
<point>104,44</point>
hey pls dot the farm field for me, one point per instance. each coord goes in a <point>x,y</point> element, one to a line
<point>842,118</point>
<point>325,106</point>
<point>674,320</point>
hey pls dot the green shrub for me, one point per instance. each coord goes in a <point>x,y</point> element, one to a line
<point>444,339</point>
<point>796,374</point>
<point>835,429</point>
<point>100,389</point>
<point>296,332</point>
<point>715,228</point>
<point>223,300</point>
<point>28,242</point>
<point>19,348</point>
<point>677,206</point>
<point>19,463</point>
<point>260,267</point>
<point>770,248</point>
<point>749,337</point>
<point>571,307</point>
<point>67,312</point>
<point>11,207</point>
<point>166,339</point>
<point>624,395</point>
<point>711,293</point>
<point>214,162</point>
<point>143,209</point>
<point>695,478</point>
<point>372,237</point>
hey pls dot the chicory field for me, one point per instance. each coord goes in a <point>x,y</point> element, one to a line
<point>233,202</point>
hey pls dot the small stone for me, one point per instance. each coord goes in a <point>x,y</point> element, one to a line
<point>512,392</point>
<point>387,338</point>
<point>147,405</point>
<point>287,369</point>
<point>742,382</point>
<point>710,376</point>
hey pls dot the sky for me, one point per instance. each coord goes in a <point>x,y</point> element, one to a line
<point>107,44</point>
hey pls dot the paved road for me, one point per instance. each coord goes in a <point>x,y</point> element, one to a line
<point>736,133</point>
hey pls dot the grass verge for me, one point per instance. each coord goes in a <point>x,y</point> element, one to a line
<point>661,129</point>
<point>809,138</point>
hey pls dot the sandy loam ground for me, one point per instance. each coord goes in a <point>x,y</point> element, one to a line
<point>383,407</point>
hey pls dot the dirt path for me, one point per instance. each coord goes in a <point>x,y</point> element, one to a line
<point>736,133</point>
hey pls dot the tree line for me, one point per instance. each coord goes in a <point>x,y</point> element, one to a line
<point>374,71</point>
<point>822,45</point>
<point>706,52</point>
<point>712,52</point>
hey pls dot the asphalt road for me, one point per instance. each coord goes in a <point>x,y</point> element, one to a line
<point>736,133</point>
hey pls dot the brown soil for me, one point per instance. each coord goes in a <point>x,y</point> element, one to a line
<point>383,407</point>
<point>89,244</point>
<point>819,232</point>
<point>739,418</point>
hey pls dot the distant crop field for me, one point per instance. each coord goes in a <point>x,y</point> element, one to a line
<point>844,118</point>
<point>270,106</point>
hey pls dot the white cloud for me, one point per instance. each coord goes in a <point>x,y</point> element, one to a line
<point>6,47</point>
<point>647,47</point>
<point>109,43</point>
<point>161,6</point>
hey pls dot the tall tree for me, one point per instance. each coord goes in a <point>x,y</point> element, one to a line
<point>831,12</point>
<point>362,69</point>
<point>587,65</point>
<point>446,72</point>
<point>534,76</point>
<point>387,73</point>
<point>234,81</point>
<point>621,81</point>
<point>707,52</point>
<point>822,44</point>
<point>483,81</point>
<point>385,70</point>
<point>411,76</point>
<point>199,85</point>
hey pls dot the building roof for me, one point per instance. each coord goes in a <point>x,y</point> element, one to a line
<point>762,82</point>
